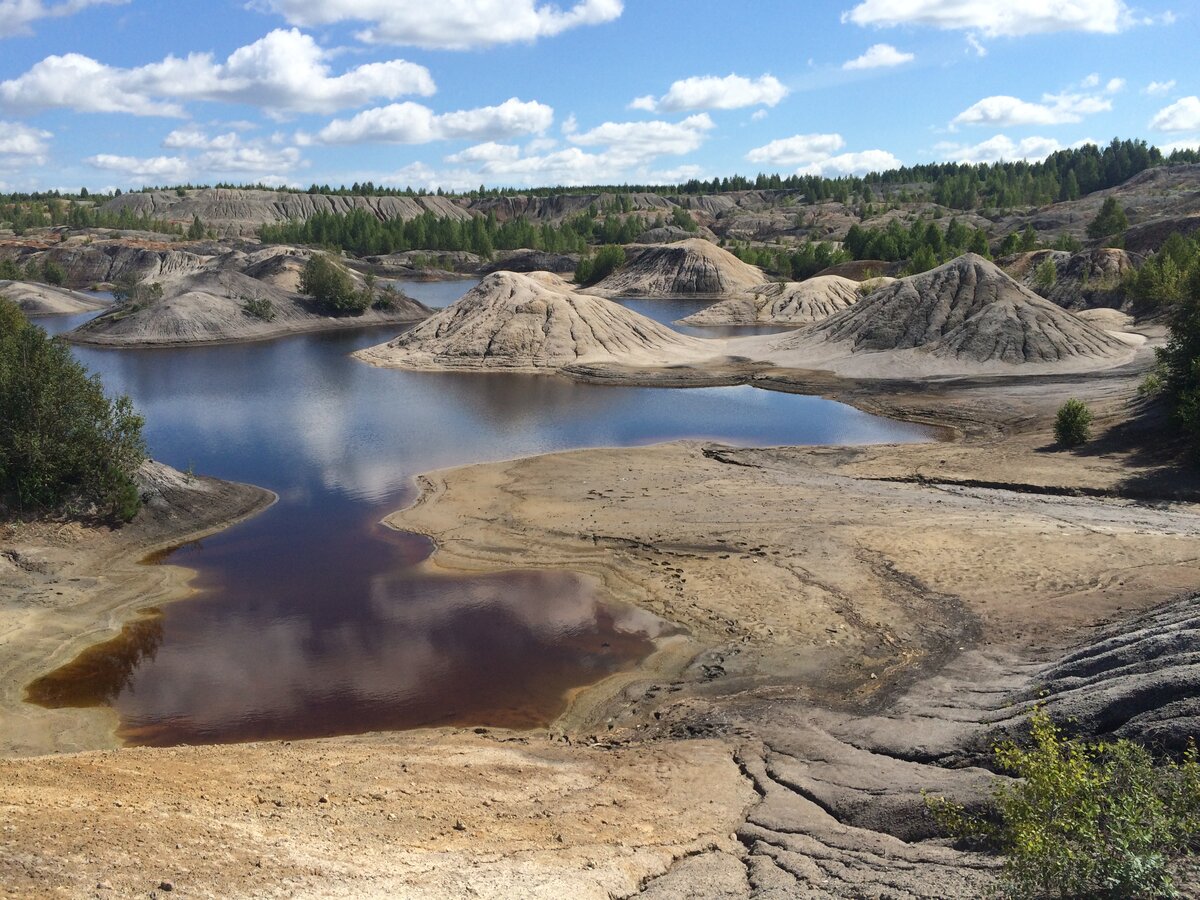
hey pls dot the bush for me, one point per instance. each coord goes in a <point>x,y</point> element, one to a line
<point>1085,820</point>
<point>607,260</point>
<point>1073,424</point>
<point>1046,274</point>
<point>328,282</point>
<point>65,447</point>
<point>130,291</point>
<point>9,270</point>
<point>385,300</point>
<point>259,308</point>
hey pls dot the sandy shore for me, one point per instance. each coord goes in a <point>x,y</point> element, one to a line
<point>856,619</point>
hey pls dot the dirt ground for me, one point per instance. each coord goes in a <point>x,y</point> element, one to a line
<point>849,615</point>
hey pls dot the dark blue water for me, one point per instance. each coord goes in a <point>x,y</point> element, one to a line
<point>314,619</point>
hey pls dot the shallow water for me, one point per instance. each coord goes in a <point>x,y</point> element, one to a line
<point>313,619</point>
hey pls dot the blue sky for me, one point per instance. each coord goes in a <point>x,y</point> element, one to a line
<point>457,93</point>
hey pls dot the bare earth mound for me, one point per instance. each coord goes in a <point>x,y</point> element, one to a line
<point>1089,279</point>
<point>684,269</point>
<point>44,300</point>
<point>964,317</point>
<point>207,307</point>
<point>790,303</point>
<point>534,322</point>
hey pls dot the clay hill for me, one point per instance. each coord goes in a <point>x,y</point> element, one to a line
<point>964,317</point>
<point>209,307</point>
<point>1085,280</point>
<point>787,303</point>
<point>45,300</point>
<point>534,322</point>
<point>688,268</point>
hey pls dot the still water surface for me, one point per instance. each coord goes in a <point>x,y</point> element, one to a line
<point>313,619</point>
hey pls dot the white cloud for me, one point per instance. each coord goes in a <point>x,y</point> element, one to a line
<point>17,15</point>
<point>451,25</point>
<point>816,154</point>
<point>21,143</point>
<point>285,71</point>
<point>1159,88</point>
<point>999,148</point>
<point>1054,109</point>
<point>1091,81</point>
<point>759,115</point>
<point>879,56</point>
<point>1170,148</point>
<point>158,168</point>
<point>1182,115</point>
<point>412,123</point>
<point>636,141</point>
<point>229,153</point>
<point>713,92</point>
<point>617,151</point>
<point>799,150</point>
<point>1115,85</point>
<point>994,19</point>
<point>852,164</point>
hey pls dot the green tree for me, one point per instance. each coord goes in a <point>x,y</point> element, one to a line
<point>65,446</point>
<point>9,270</point>
<point>53,273</point>
<point>1180,361</point>
<point>330,285</point>
<point>1045,276</point>
<point>1111,220</point>
<point>1073,424</point>
<point>196,230</point>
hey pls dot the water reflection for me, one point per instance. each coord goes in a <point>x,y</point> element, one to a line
<point>312,619</point>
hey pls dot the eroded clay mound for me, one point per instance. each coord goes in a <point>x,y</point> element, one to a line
<point>45,300</point>
<point>789,303</point>
<point>971,311</point>
<point>1088,279</point>
<point>533,322</point>
<point>686,268</point>
<point>209,307</point>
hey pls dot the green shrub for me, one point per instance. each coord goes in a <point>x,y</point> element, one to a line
<point>386,299</point>
<point>1073,424</point>
<point>607,260</point>
<point>9,270</point>
<point>328,282</point>
<point>1046,274</point>
<point>1179,361</point>
<point>1085,820</point>
<point>65,447</point>
<point>259,308</point>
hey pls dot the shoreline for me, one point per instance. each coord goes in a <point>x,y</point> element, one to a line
<point>67,599</point>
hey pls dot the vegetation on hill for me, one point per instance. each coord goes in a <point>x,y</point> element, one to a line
<point>1085,820</point>
<point>1179,361</point>
<point>65,447</point>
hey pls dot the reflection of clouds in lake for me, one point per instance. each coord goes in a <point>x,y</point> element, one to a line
<point>415,641</point>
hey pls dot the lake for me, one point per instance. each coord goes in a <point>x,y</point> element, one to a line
<point>313,619</point>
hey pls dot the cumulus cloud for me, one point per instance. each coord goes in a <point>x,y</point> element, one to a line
<point>1054,109</point>
<point>1182,115</point>
<point>157,168</point>
<point>999,148</point>
<point>17,15</point>
<point>1159,88</point>
<point>412,123</point>
<point>801,149</point>
<point>455,25</point>
<point>610,152</point>
<point>879,56</point>
<point>1170,148</point>
<point>994,19</point>
<point>230,153</point>
<point>816,154</point>
<point>713,92</point>
<point>285,71</point>
<point>21,143</point>
<point>637,141</point>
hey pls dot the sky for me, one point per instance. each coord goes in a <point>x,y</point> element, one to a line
<point>108,94</point>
